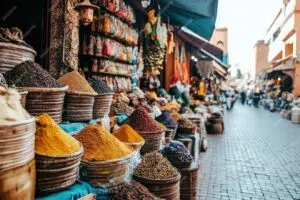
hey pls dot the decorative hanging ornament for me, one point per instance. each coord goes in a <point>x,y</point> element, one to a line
<point>86,12</point>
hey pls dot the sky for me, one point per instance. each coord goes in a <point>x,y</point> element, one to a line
<point>247,21</point>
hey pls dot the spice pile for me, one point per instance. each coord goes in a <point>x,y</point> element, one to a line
<point>185,123</point>
<point>51,140</point>
<point>176,116</point>
<point>155,166</point>
<point>76,82</point>
<point>134,191</point>
<point>127,134</point>
<point>11,108</point>
<point>30,74</point>
<point>177,158</point>
<point>166,119</point>
<point>99,144</point>
<point>121,108</point>
<point>100,86</point>
<point>141,121</point>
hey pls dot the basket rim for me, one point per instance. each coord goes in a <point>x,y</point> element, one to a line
<point>135,143</point>
<point>108,161</point>
<point>103,94</point>
<point>37,89</point>
<point>157,181</point>
<point>160,132</point>
<point>81,93</point>
<point>7,44</point>
<point>23,122</point>
<point>76,153</point>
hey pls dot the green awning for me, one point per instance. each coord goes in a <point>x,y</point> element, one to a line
<point>196,15</point>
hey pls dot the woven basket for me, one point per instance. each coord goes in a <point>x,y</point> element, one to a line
<point>55,173</point>
<point>168,189</point>
<point>12,55</point>
<point>183,130</point>
<point>45,100</point>
<point>102,105</point>
<point>16,144</point>
<point>153,141</point>
<point>23,98</point>
<point>109,173</point>
<point>78,106</point>
<point>188,183</point>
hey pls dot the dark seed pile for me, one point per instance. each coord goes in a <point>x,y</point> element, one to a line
<point>141,121</point>
<point>166,119</point>
<point>178,159</point>
<point>134,191</point>
<point>30,74</point>
<point>155,166</point>
<point>100,86</point>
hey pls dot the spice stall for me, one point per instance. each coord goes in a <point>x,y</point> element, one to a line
<point>94,132</point>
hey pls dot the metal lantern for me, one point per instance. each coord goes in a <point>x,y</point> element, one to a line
<point>86,12</point>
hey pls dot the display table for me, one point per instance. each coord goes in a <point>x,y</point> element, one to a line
<point>78,190</point>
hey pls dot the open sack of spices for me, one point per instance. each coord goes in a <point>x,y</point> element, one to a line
<point>158,175</point>
<point>186,126</point>
<point>45,93</point>
<point>178,155</point>
<point>105,157</point>
<point>80,97</point>
<point>58,156</point>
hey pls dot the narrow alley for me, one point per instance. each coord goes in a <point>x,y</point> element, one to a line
<point>258,157</point>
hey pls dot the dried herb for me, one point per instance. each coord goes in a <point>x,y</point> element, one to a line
<point>121,108</point>
<point>30,74</point>
<point>177,158</point>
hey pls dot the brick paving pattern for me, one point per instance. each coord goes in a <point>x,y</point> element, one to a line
<point>258,157</point>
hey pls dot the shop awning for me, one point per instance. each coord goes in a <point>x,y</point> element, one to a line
<point>218,69</point>
<point>198,16</point>
<point>200,43</point>
<point>285,65</point>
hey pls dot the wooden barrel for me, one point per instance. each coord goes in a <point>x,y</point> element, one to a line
<point>78,106</point>
<point>55,173</point>
<point>188,183</point>
<point>153,141</point>
<point>102,105</point>
<point>18,183</point>
<point>13,54</point>
<point>109,173</point>
<point>168,189</point>
<point>16,144</point>
<point>45,100</point>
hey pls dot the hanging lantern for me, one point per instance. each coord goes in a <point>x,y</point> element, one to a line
<point>86,12</point>
<point>145,3</point>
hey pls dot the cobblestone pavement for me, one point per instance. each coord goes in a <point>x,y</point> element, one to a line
<point>258,157</point>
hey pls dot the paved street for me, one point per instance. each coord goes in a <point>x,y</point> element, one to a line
<point>258,157</point>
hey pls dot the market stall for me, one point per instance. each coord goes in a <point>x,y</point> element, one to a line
<point>97,130</point>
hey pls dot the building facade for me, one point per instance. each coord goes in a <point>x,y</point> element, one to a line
<point>283,39</point>
<point>261,51</point>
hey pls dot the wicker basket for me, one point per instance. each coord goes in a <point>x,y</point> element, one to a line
<point>45,100</point>
<point>78,106</point>
<point>183,130</point>
<point>107,173</point>
<point>55,173</point>
<point>102,105</point>
<point>171,131</point>
<point>23,98</point>
<point>153,141</point>
<point>188,183</point>
<point>13,54</point>
<point>16,144</point>
<point>168,189</point>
